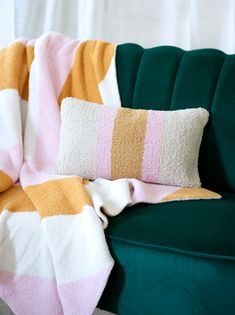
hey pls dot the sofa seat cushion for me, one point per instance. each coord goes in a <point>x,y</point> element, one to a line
<point>202,228</point>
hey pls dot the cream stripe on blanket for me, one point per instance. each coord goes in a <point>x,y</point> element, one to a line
<point>53,254</point>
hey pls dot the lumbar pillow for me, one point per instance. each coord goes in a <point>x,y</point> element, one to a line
<point>99,141</point>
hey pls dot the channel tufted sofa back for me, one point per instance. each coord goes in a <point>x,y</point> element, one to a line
<point>169,78</point>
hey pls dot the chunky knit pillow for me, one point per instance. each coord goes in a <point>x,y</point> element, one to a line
<point>154,146</point>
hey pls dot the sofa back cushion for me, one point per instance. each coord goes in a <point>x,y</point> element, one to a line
<point>168,78</point>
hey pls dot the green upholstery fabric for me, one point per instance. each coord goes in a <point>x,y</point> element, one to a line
<point>178,258</point>
<point>203,227</point>
<point>173,258</point>
<point>151,282</point>
<point>168,78</point>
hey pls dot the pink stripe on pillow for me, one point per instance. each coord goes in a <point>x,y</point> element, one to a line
<point>103,146</point>
<point>152,146</point>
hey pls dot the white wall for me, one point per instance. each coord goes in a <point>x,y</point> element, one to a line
<point>188,24</point>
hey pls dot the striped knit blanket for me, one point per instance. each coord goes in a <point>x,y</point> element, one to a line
<point>53,254</point>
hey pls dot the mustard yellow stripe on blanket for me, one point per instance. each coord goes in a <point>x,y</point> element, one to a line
<point>15,200</point>
<point>190,194</point>
<point>15,62</point>
<point>58,197</point>
<point>91,63</point>
<point>86,181</point>
<point>5,181</point>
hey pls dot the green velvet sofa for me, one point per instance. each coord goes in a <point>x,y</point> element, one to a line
<point>178,258</point>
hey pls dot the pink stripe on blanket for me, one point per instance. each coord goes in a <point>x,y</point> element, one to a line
<point>152,146</point>
<point>12,160</point>
<point>31,176</point>
<point>150,193</point>
<point>27,295</point>
<point>50,79</point>
<point>81,297</point>
<point>61,51</point>
<point>103,146</point>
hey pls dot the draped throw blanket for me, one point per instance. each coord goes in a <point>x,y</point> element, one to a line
<point>53,254</point>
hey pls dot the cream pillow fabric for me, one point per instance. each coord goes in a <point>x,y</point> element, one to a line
<point>99,141</point>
